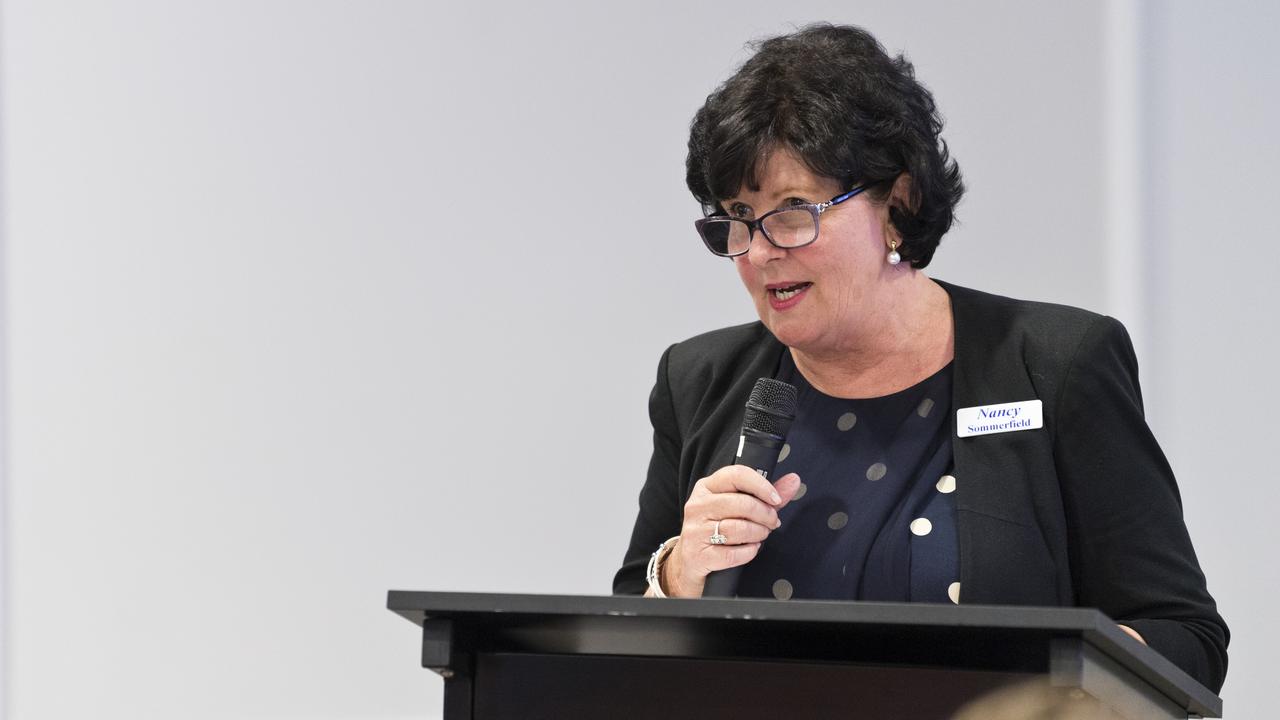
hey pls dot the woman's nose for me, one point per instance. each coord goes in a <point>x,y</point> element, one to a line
<point>761,251</point>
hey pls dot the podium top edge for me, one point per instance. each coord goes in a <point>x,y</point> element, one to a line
<point>418,605</point>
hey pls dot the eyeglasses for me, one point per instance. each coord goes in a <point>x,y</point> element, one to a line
<point>787,228</point>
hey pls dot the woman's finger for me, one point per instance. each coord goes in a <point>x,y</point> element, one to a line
<point>738,532</point>
<point>735,555</point>
<point>723,506</point>
<point>740,479</point>
<point>722,557</point>
<point>787,486</point>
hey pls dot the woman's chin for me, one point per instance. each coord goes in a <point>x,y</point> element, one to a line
<point>789,333</point>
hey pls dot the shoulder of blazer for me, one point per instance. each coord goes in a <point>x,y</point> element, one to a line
<point>988,317</point>
<point>995,335</point>
<point>726,351</point>
<point>711,369</point>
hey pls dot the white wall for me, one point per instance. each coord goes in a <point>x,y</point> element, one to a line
<point>290,287</point>
<point>1213,301</point>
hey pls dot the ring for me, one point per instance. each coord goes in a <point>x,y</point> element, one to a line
<point>717,538</point>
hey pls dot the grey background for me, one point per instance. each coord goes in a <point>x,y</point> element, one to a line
<point>287,283</point>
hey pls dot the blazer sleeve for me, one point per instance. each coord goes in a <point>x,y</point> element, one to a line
<point>661,507</point>
<point>1131,555</point>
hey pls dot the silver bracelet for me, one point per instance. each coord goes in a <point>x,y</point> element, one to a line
<point>654,574</point>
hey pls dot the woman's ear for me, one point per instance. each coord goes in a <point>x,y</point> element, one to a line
<point>895,205</point>
<point>900,196</point>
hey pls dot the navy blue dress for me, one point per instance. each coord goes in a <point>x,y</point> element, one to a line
<point>875,517</point>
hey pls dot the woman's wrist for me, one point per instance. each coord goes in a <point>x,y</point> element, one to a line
<point>667,575</point>
<point>672,576</point>
<point>655,572</point>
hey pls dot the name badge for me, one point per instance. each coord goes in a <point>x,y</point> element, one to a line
<point>1002,418</point>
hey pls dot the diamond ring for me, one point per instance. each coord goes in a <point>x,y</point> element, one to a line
<point>716,537</point>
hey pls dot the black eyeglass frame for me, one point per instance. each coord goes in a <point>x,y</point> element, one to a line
<point>815,209</point>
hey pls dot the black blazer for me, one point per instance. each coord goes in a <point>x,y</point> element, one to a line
<point>1082,512</point>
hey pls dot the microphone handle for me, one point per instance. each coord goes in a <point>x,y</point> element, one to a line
<point>758,451</point>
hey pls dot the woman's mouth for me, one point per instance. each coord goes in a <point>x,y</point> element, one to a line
<point>784,296</point>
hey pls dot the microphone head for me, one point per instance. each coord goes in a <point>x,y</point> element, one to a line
<point>771,407</point>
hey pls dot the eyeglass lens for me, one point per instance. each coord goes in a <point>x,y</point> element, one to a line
<point>788,228</point>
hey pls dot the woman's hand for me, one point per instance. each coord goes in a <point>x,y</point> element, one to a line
<point>745,504</point>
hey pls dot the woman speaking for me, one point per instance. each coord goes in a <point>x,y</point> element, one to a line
<point>948,445</point>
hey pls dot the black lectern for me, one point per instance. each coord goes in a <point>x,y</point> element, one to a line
<point>548,656</point>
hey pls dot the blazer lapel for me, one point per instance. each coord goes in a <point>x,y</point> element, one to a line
<point>998,477</point>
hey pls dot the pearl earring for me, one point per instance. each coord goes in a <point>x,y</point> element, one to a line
<point>893,257</point>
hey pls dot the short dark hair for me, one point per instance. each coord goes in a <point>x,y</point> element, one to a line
<point>849,111</point>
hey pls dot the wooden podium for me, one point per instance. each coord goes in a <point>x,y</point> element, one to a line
<point>584,657</point>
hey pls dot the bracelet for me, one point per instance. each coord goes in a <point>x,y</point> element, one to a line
<point>653,575</point>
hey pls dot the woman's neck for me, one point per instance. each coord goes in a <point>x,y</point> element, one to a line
<point>906,338</point>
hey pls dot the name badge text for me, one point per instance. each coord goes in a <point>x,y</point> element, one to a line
<point>1005,417</point>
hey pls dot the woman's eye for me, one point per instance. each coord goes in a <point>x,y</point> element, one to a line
<point>796,201</point>
<point>739,210</point>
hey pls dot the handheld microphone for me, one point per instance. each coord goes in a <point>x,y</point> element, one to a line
<point>770,411</point>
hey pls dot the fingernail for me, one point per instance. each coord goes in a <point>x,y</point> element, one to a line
<point>776,497</point>
<point>777,523</point>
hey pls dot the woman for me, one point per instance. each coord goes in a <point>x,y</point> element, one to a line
<point>949,445</point>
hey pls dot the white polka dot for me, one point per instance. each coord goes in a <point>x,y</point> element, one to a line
<point>786,450</point>
<point>953,592</point>
<point>947,484</point>
<point>876,471</point>
<point>846,421</point>
<point>926,406</point>
<point>782,590</point>
<point>800,491</point>
<point>921,526</point>
<point>844,569</point>
<point>837,520</point>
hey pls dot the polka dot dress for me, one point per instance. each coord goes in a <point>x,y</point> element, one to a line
<point>874,518</point>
